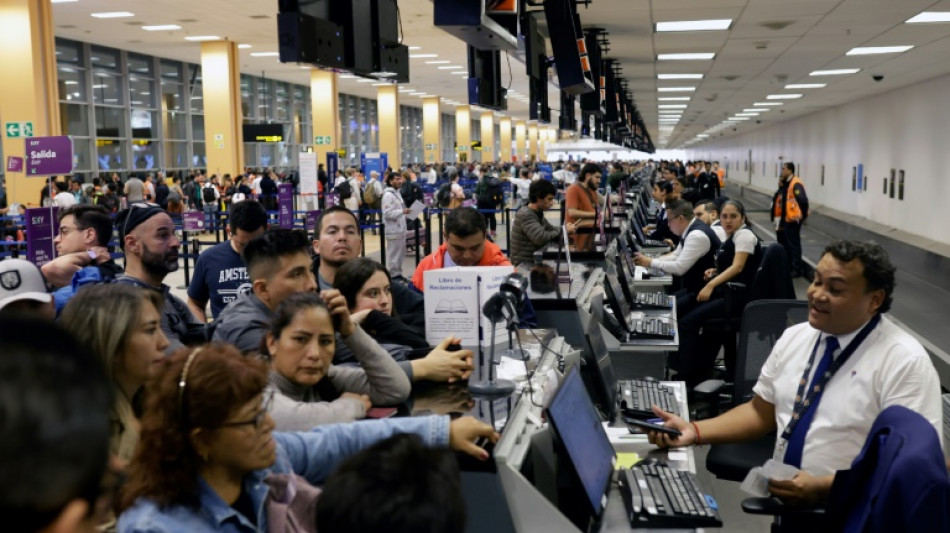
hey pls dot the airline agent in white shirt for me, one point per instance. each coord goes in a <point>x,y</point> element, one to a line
<point>876,365</point>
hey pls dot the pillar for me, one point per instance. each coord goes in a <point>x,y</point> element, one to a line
<point>387,109</point>
<point>521,143</point>
<point>221,90</point>
<point>30,92</point>
<point>488,136</point>
<point>463,133</point>
<point>504,127</point>
<point>324,114</point>
<point>432,128</point>
<point>533,141</point>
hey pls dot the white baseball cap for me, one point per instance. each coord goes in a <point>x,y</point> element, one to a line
<point>21,280</point>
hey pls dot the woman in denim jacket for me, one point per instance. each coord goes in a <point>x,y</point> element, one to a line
<point>207,446</point>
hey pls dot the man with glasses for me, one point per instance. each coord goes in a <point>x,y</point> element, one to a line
<point>84,233</point>
<point>147,235</point>
<point>220,272</point>
<point>688,263</point>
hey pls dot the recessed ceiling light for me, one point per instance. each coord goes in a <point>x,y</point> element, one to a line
<point>462,72</point>
<point>835,72</point>
<point>162,27</point>
<point>347,76</point>
<point>759,104</point>
<point>694,25</point>
<point>113,14</point>
<point>755,110</point>
<point>419,56</point>
<point>738,119</point>
<point>381,84</point>
<point>244,46</point>
<point>806,85</point>
<point>702,136</point>
<point>671,106</point>
<point>62,2</point>
<point>747,114</point>
<point>202,38</point>
<point>679,76</point>
<point>365,80</point>
<point>674,99</point>
<point>450,67</point>
<point>265,54</point>
<point>929,16</point>
<point>438,62</point>
<point>870,50</point>
<point>405,90</point>
<point>415,48</point>
<point>686,57</point>
<point>675,89</point>
<point>783,96</point>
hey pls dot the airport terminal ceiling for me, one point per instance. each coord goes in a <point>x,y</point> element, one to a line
<point>768,46</point>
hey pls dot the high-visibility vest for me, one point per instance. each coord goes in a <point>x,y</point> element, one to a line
<point>793,212</point>
<point>722,177</point>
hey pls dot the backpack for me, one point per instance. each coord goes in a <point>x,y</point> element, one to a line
<point>411,192</point>
<point>207,194</point>
<point>173,196</point>
<point>370,194</point>
<point>344,190</point>
<point>491,191</point>
<point>444,195</point>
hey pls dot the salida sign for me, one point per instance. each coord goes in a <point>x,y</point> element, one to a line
<point>49,155</point>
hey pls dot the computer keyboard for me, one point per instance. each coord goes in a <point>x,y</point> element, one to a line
<point>655,244</point>
<point>658,496</point>
<point>653,328</point>
<point>637,398</point>
<point>654,300</point>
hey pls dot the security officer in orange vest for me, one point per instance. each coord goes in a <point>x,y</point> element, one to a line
<point>789,211</point>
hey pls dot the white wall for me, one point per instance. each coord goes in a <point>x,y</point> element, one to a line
<point>908,129</point>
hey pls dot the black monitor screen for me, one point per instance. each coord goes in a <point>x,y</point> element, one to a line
<point>615,292</point>
<point>579,428</point>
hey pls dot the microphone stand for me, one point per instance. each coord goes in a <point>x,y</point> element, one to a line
<point>491,387</point>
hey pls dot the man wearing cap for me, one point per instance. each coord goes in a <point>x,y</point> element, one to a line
<point>147,234</point>
<point>23,290</point>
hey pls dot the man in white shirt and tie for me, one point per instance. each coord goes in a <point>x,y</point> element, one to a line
<point>856,361</point>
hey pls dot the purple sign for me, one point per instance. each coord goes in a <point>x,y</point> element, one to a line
<point>468,203</point>
<point>49,155</point>
<point>332,199</point>
<point>193,221</point>
<point>14,164</point>
<point>41,227</point>
<point>285,205</point>
<point>428,197</point>
<point>312,219</point>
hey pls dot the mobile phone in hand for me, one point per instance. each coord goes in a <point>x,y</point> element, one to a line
<point>381,412</point>
<point>647,426</point>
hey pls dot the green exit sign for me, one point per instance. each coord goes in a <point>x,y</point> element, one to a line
<point>18,129</point>
<point>321,139</point>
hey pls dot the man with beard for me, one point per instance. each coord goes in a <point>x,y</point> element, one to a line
<point>336,241</point>
<point>147,235</point>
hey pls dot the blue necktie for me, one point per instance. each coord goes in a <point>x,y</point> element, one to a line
<point>796,442</point>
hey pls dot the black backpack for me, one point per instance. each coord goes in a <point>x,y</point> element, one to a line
<point>207,194</point>
<point>444,195</point>
<point>344,189</point>
<point>411,192</point>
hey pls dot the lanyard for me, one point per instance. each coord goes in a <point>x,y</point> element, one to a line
<point>805,402</point>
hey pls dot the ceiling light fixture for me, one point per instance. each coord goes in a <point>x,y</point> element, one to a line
<point>674,99</point>
<point>202,38</point>
<point>679,76</point>
<point>113,14</point>
<point>835,72</point>
<point>806,85</point>
<point>747,114</point>
<point>755,110</point>
<point>694,25</point>
<point>872,50</point>
<point>450,67</point>
<point>929,17</point>
<point>162,27</point>
<point>365,80</point>
<point>265,54</point>
<point>420,56</point>
<point>245,46</point>
<point>438,62</point>
<point>759,104</point>
<point>675,89</point>
<point>686,57</point>
<point>671,106</point>
<point>62,2</point>
<point>415,48</point>
<point>783,96</point>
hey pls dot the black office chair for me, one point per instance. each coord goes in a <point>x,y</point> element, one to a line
<point>763,322</point>
<point>771,281</point>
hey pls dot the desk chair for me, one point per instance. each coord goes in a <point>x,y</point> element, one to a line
<point>771,281</point>
<point>763,322</point>
<point>898,483</point>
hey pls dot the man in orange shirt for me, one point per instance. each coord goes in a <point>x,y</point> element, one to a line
<point>464,245</point>
<point>581,202</point>
<point>789,211</point>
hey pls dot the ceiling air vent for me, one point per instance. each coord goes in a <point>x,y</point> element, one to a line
<point>776,25</point>
<point>730,77</point>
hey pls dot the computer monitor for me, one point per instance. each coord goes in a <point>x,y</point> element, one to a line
<point>602,383</point>
<point>581,434</point>
<point>615,294</point>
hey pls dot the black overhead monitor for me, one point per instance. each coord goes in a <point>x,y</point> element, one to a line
<point>581,432</point>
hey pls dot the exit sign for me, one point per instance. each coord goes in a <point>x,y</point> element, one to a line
<point>321,139</point>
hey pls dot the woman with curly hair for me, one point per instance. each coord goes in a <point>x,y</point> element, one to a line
<point>208,446</point>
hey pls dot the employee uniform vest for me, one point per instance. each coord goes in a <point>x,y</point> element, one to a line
<point>793,213</point>
<point>727,254</point>
<point>693,280</point>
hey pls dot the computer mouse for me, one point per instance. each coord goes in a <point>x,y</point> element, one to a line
<point>457,347</point>
<point>649,461</point>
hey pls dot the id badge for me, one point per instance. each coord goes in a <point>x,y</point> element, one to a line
<point>779,454</point>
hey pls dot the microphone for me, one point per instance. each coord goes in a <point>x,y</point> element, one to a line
<point>501,307</point>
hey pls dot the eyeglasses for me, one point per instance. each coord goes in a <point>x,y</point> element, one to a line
<point>66,230</point>
<point>266,401</point>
